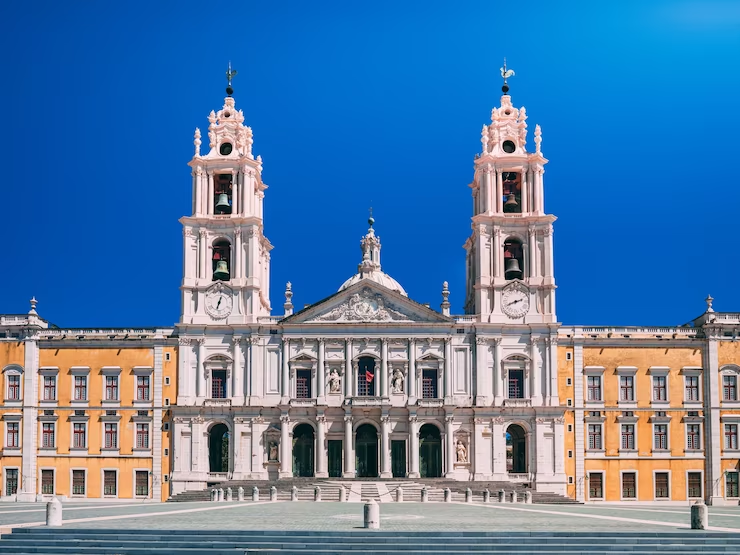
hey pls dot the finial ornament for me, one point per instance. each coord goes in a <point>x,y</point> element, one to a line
<point>371,220</point>
<point>445,299</point>
<point>230,74</point>
<point>506,73</point>
<point>709,301</point>
<point>34,302</point>
<point>288,305</point>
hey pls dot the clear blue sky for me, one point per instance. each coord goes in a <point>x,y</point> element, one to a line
<point>374,102</point>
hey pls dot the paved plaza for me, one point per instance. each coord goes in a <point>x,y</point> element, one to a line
<point>324,516</point>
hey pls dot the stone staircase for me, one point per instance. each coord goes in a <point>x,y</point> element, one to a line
<point>72,541</point>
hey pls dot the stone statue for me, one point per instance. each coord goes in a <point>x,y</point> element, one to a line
<point>462,452</point>
<point>397,381</point>
<point>334,383</point>
<point>273,455</point>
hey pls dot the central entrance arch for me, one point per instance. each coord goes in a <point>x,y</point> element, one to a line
<point>366,449</point>
<point>430,452</point>
<point>303,451</point>
<point>218,448</point>
<point>516,449</point>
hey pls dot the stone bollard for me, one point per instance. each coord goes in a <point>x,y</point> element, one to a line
<point>424,494</point>
<point>229,494</point>
<point>220,494</point>
<point>240,494</point>
<point>317,493</point>
<point>514,497</point>
<point>372,515</point>
<point>699,516</point>
<point>501,496</point>
<point>255,493</point>
<point>468,495</point>
<point>342,494</point>
<point>273,493</point>
<point>486,496</point>
<point>448,495</point>
<point>294,493</point>
<point>54,512</point>
<point>214,495</point>
<point>528,497</point>
<point>399,495</point>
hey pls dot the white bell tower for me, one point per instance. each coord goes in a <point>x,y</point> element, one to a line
<point>509,254</point>
<point>226,278</point>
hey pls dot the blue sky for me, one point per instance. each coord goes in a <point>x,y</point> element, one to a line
<point>376,103</point>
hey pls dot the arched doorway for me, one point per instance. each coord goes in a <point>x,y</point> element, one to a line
<point>218,448</point>
<point>366,450</point>
<point>303,451</point>
<point>516,449</point>
<point>430,452</point>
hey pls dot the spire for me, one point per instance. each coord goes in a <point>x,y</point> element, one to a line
<point>230,74</point>
<point>506,73</point>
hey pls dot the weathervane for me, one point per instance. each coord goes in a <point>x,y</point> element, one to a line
<point>230,73</point>
<point>506,73</point>
<point>371,220</point>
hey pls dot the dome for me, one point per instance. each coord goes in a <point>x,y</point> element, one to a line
<point>378,277</point>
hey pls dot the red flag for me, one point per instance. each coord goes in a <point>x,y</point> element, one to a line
<point>369,376</point>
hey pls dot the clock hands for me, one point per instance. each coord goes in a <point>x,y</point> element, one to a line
<point>219,302</point>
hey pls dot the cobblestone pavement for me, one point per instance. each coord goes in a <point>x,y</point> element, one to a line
<point>348,516</point>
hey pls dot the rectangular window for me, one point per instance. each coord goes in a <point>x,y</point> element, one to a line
<point>80,393</point>
<point>732,484</point>
<point>629,485</point>
<point>111,388</point>
<point>50,388</point>
<point>14,387</point>
<point>660,433</point>
<point>78,435</point>
<point>142,482</point>
<point>659,388</point>
<point>594,436</point>
<point>12,434</point>
<point>429,384</point>
<point>47,482</point>
<point>693,436</point>
<point>695,484</point>
<point>692,388</point>
<point>628,436</point>
<point>626,388</point>
<point>661,485</point>
<point>516,384</point>
<point>111,436</point>
<point>11,481</point>
<point>218,384</point>
<point>594,388</point>
<point>595,486</point>
<point>729,388</point>
<point>109,482</point>
<point>730,436</point>
<point>142,386</point>
<point>142,436</point>
<point>47,435</point>
<point>303,384</point>
<point>78,482</point>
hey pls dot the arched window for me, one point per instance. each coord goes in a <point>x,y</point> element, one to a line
<point>513,259</point>
<point>366,377</point>
<point>512,189</point>
<point>221,260</point>
<point>222,188</point>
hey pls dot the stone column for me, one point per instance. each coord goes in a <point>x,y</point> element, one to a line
<point>448,369</point>
<point>321,373</point>
<point>553,367</point>
<point>559,438</point>
<point>248,342</point>
<point>712,425</point>
<point>535,369</point>
<point>483,386</point>
<point>384,367</point>
<point>497,253</point>
<point>478,454</point>
<point>258,450</point>
<point>200,368</point>
<point>485,189</point>
<point>242,461</point>
<point>321,455</point>
<point>235,204</point>
<point>411,373</point>
<point>498,382</point>
<point>238,251</point>
<point>414,446</point>
<point>349,452</point>
<point>355,374</point>
<point>348,379</point>
<point>285,371</point>
<point>286,455</point>
<point>547,245</point>
<point>203,254</point>
<point>498,439</point>
<point>532,263</point>
<point>209,195</point>
<point>237,391</point>
<point>450,444</point>
<point>525,192</point>
<point>499,191</point>
<point>385,447</point>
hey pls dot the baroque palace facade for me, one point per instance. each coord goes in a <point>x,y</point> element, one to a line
<point>367,382</point>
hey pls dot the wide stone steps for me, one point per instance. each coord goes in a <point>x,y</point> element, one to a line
<point>47,541</point>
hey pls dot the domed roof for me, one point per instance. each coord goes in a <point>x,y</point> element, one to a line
<point>369,268</point>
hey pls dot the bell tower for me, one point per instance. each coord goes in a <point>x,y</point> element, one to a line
<point>226,277</point>
<point>509,254</point>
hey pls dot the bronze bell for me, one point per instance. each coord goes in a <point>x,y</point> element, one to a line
<point>511,203</point>
<point>223,206</point>
<point>222,271</point>
<point>512,269</point>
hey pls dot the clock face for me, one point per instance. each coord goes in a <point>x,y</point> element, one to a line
<point>515,302</point>
<point>219,302</point>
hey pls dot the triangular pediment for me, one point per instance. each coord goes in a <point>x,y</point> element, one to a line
<point>366,302</point>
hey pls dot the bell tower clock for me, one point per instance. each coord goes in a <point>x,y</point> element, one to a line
<point>509,254</point>
<point>226,275</point>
